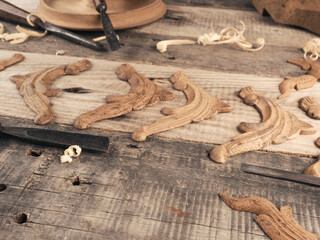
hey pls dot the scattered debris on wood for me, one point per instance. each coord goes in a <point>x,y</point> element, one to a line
<point>16,58</point>
<point>278,225</point>
<point>34,88</point>
<point>69,153</point>
<point>227,35</point>
<point>200,105</point>
<point>313,47</point>
<point>311,106</point>
<point>60,52</point>
<point>143,93</point>
<point>277,126</point>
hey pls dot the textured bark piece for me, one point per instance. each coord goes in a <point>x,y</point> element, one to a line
<point>34,88</point>
<point>143,93</point>
<point>276,126</point>
<point>301,13</point>
<point>278,225</point>
<point>16,58</point>
<point>311,106</point>
<point>301,82</point>
<point>200,105</point>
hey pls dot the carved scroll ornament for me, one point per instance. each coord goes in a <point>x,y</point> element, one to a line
<point>278,225</point>
<point>310,106</point>
<point>143,93</point>
<point>34,88</point>
<point>301,82</point>
<point>277,126</point>
<point>16,58</point>
<point>200,105</point>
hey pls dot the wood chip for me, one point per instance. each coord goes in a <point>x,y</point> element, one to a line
<point>34,88</point>
<point>278,225</point>
<point>16,58</point>
<point>201,105</point>
<point>311,106</point>
<point>143,93</point>
<point>276,126</point>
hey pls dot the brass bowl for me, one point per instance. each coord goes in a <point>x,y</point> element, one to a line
<point>81,14</point>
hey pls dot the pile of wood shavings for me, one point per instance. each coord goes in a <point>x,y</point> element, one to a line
<point>72,151</point>
<point>227,35</point>
<point>313,47</point>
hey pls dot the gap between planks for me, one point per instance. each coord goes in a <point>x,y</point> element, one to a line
<point>102,81</point>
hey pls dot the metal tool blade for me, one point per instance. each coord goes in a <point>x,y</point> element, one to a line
<point>59,138</point>
<point>113,42</point>
<point>12,13</point>
<point>281,174</point>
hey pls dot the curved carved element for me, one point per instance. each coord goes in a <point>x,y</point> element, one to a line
<point>34,88</point>
<point>16,58</point>
<point>278,225</point>
<point>143,93</point>
<point>310,106</point>
<point>276,126</point>
<point>314,169</point>
<point>301,82</point>
<point>200,105</point>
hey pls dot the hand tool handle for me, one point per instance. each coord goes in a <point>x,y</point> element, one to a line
<point>100,4</point>
<point>11,13</point>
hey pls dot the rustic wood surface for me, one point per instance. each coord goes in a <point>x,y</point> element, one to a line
<point>166,187</point>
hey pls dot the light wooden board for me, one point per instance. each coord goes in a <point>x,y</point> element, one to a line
<point>102,81</point>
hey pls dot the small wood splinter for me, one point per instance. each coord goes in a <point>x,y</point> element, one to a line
<point>301,82</point>
<point>34,88</point>
<point>310,106</point>
<point>277,126</point>
<point>278,225</point>
<point>16,58</point>
<point>143,93</point>
<point>201,105</point>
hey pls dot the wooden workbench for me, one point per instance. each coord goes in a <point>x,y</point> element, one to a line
<point>166,187</point>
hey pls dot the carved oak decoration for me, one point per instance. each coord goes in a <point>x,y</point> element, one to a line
<point>301,82</point>
<point>143,93</point>
<point>314,169</point>
<point>277,126</point>
<point>200,105</point>
<point>34,88</point>
<point>310,106</point>
<point>278,225</point>
<point>16,58</point>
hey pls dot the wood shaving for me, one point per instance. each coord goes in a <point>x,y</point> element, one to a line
<point>69,153</point>
<point>227,35</point>
<point>60,52</point>
<point>313,47</point>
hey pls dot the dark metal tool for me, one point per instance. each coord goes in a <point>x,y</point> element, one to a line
<point>281,174</point>
<point>58,138</point>
<point>11,13</point>
<point>113,42</point>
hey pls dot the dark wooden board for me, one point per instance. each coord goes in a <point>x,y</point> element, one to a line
<point>130,190</point>
<point>233,4</point>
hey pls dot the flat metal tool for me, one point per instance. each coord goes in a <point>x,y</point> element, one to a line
<point>281,174</point>
<point>12,13</point>
<point>58,138</point>
<point>113,42</point>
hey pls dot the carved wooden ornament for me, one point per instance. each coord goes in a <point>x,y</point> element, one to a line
<point>310,106</point>
<point>200,105</point>
<point>16,58</point>
<point>278,225</point>
<point>314,169</point>
<point>277,126</point>
<point>143,93</point>
<point>301,82</point>
<point>34,88</point>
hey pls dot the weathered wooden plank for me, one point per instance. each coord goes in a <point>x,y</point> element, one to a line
<point>133,185</point>
<point>233,4</point>
<point>102,81</point>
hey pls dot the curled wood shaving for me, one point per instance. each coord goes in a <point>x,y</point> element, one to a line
<point>276,126</point>
<point>227,35</point>
<point>69,153</point>
<point>200,105</point>
<point>312,47</point>
<point>143,93</point>
<point>34,88</point>
<point>60,52</point>
<point>278,225</point>
<point>16,58</point>
<point>310,106</point>
<point>301,82</point>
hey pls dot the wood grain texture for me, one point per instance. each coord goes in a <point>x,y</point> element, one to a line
<point>130,188</point>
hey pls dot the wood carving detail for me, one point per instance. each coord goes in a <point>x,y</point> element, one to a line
<point>143,93</point>
<point>278,225</point>
<point>314,169</point>
<point>310,106</point>
<point>301,82</point>
<point>276,126</point>
<point>16,58</point>
<point>200,105</point>
<point>34,88</point>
